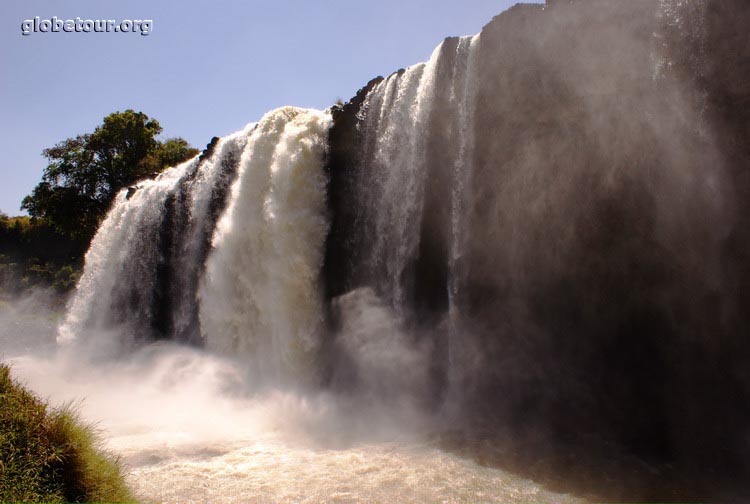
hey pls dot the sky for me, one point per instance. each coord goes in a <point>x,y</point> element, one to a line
<point>207,68</point>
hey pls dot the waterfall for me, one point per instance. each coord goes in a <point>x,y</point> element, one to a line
<point>393,181</point>
<point>192,215</point>
<point>413,178</point>
<point>260,297</point>
<point>143,265</point>
<point>119,278</point>
<point>536,234</point>
<point>463,98</point>
<point>223,251</point>
<point>467,216</point>
<point>394,165</point>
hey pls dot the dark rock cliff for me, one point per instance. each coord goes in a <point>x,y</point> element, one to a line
<point>608,291</point>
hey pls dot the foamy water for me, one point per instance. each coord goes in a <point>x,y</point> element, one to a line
<point>188,431</point>
<point>275,471</point>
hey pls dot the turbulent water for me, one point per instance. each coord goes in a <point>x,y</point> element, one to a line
<point>533,240</point>
<point>188,431</point>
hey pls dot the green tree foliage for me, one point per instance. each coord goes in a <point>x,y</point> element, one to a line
<point>82,178</point>
<point>85,172</point>
<point>35,254</point>
<point>170,152</point>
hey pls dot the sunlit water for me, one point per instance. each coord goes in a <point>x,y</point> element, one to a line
<point>188,431</point>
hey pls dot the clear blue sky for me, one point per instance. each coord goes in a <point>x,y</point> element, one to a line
<point>208,67</point>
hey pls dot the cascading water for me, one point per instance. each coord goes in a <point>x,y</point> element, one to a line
<point>165,266</point>
<point>143,266</point>
<point>401,117</point>
<point>120,263</point>
<point>261,297</point>
<point>193,214</point>
<point>463,98</point>
<point>395,126</point>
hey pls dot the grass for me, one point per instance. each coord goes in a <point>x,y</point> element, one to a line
<point>48,455</point>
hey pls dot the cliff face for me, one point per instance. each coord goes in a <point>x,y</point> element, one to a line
<point>605,268</point>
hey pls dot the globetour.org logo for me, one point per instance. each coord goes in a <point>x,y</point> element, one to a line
<point>79,25</point>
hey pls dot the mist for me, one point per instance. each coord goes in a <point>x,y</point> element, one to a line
<point>189,424</point>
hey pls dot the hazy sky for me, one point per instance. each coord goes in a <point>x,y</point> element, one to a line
<point>208,67</point>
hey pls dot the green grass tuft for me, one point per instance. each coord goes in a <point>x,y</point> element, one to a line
<point>49,455</point>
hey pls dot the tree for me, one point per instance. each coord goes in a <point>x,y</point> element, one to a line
<point>171,152</point>
<point>86,172</point>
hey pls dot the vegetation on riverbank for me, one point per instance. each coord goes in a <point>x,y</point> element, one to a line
<point>49,455</point>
